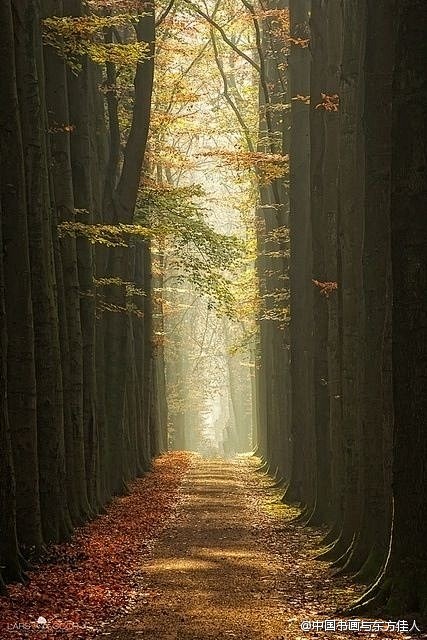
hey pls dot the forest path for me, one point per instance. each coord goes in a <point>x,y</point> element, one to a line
<point>230,565</point>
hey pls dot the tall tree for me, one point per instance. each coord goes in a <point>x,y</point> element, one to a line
<point>84,130</point>
<point>333,53</point>
<point>21,391</point>
<point>9,558</point>
<point>371,545</point>
<point>303,470</point>
<point>402,583</point>
<point>50,413</point>
<point>123,205</point>
<point>351,189</point>
<point>60,126</point>
<point>318,124</point>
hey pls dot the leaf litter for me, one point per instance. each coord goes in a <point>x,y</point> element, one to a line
<point>199,550</point>
<point>84,583</point>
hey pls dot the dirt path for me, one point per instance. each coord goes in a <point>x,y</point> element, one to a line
<point>229,566</point>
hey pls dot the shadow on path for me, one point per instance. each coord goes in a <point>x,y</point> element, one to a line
<point>232,565</point>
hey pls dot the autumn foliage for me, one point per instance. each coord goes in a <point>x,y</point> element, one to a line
<point>85,582</point>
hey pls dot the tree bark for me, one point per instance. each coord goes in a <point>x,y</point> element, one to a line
<point>403,583</point>
<point>50,411</point>
<point>20,348</point>
<point>9,557</point>
<point>373,538</point>
<point>124,201</point>
<point>303,471</point>
<point>59,121</point>
<point>351,189</point>
<point>318,85</point>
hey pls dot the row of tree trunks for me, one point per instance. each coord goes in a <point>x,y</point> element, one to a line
<point>357,288</point>
<point>21,376</point>
<point>58,110</point>
<point>68,359</point>
<point>56,522</point>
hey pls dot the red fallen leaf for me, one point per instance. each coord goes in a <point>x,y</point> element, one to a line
<point>83,581</point>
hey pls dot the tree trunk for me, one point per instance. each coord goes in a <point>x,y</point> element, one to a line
<point>350,277</point>
<point>20,348</point>
<point>9,558</point>
<point>403,583</point>
<point>372,542</point>
<point>59,121</point>
<point>318,47</point>
<point>50,412</point>
<point>330,216</point>
<point>124,200</point>
<point>303,472</point>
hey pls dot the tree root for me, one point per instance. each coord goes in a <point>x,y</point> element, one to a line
<point>315,519</point>
<point>299,519</point>
<point>263,468</point>
<point>340,563</point>
<point>3,589</point>
<point>332,535</point>
<point>334,551</point>
<point>280,483</point>
<point>374,599</point>
<point>370,569</point>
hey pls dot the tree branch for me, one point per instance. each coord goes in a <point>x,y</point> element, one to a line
<point>262,73</point>
<point>228,97</point>
<point>165,13</point>
<point>127,188</point>
<point>224,36</point>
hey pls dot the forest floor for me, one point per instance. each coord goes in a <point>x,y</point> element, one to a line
<point>198,550</point>
<point>233,565</point>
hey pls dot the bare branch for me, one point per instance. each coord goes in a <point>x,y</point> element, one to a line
<point>224,36</point>
<point>228,97</point>
<point>165,13</point>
